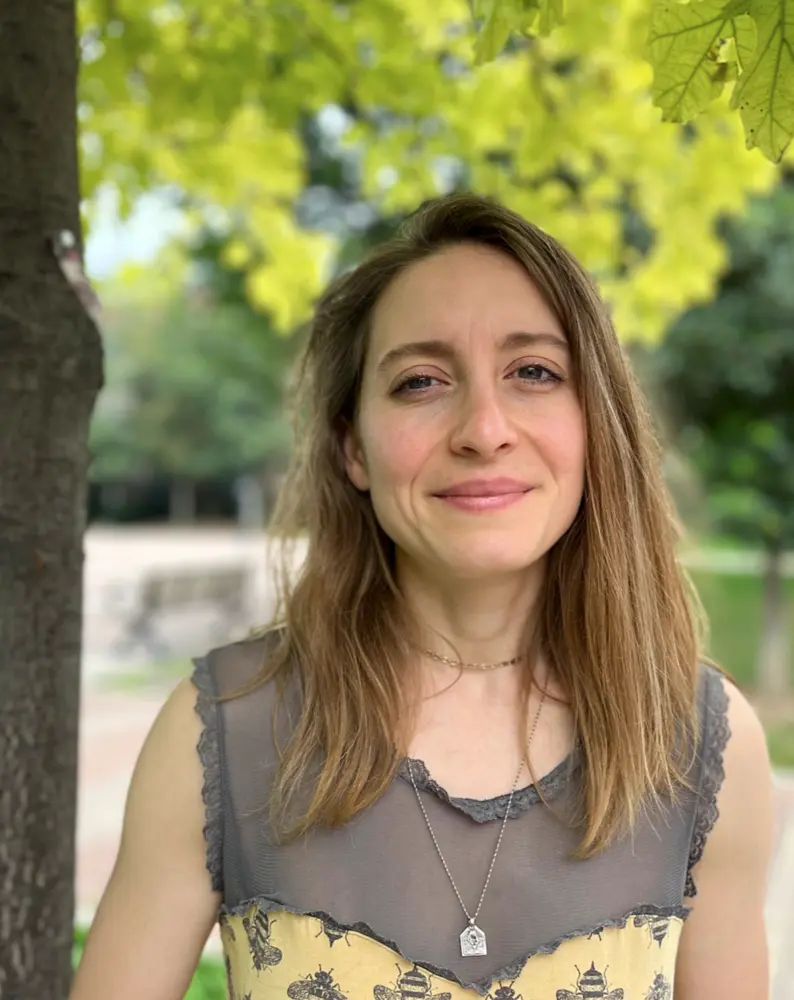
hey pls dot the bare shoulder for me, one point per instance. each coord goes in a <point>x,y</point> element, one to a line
<point>724,938</point>
<point>160,889</point>
<point>168,763</point>
<point>747,732</point>
<point>166,790</point>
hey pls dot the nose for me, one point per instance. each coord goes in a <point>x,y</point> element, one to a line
<point>481,425</point>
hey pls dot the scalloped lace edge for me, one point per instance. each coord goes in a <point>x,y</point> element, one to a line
<point>481,986</point>
<point>485,810</point>
<point>707,813</point>
<point>209,754</point>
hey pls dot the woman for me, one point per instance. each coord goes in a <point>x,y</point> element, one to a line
<point>489,596</point>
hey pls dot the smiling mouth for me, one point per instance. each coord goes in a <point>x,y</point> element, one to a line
<point>483,501</point>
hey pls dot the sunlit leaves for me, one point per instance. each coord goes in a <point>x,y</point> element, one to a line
<point>698,47</point>
<point>689,46</point>
<point>765,91</point>
<point>286,293</point>
<point>551,14</point>
<point>557,121</point>
<point>236,254</point>
<point>695,47</point>
<point>498,19</point>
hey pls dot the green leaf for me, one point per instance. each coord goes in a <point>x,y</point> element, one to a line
<point>688,47</point>
<point>764,94</point>
<point>745,41</point>
<point>552,15</point>
<point>495,30</point>
<point>500,18</point>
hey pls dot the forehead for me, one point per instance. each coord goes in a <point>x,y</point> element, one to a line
<point>460,291</point>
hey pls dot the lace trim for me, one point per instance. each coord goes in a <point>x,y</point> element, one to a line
<point>485,810</point>
<point>481,986</point>
<point>210,755</point>
<point>715,740</point>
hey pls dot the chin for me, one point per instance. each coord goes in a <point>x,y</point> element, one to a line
<point>488,563</point>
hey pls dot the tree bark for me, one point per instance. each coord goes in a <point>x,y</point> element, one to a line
<point>773,653</point>
<point>249,492</point>
<point>182,503</point>
<point>50,373</point>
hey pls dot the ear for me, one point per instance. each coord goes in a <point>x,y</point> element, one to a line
<point>355,462</point>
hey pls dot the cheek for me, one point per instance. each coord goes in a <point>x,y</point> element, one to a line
<point>395,456</point>
<point>562,440</point>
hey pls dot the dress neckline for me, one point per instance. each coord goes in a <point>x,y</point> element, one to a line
<point>551,785</point>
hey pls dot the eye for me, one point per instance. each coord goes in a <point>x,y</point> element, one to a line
<point>413,384</point>
<point>537,374</point>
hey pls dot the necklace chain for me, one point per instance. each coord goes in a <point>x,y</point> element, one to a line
<point>472,666</point>
<point>473,919</point>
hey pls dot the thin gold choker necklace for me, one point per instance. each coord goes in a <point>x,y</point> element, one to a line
<point>472,666</point>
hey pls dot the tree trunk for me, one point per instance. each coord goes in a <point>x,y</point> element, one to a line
<point>50,373</point>
<point>249,492</point>
<point>182,501</point>
<point>773,653</point>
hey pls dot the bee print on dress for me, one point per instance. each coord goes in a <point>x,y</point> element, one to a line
<point>333,932</point>
<point>593,985</point>
<point>229,980</point>
<point>319,985</point>
<point>412,985</point>
<point>658,926</point>
<point>262,951</point>
<point>660,989</point>
<point>505,993</point>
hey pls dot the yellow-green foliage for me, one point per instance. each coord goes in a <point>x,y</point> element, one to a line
<point>696,48</point>
<point>208,95</point>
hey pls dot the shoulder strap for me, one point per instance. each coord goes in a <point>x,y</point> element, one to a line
<point>209,751</point>
<point>221,672</point>
<point>715,733</point>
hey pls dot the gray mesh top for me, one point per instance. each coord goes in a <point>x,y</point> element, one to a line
<point>380,875</point>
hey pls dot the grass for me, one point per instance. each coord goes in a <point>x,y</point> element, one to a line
<point>156,677</point>
<point>780,740</point>
<point>733,605</point>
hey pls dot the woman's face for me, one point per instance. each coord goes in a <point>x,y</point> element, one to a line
<point>470,437</point>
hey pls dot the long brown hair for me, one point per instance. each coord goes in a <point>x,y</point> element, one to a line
<point>617,622</point>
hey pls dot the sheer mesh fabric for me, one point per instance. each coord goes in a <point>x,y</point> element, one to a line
<point>381,874</point>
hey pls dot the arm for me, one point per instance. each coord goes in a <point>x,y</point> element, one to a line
<point>723,949</point>
<point>159,907</point>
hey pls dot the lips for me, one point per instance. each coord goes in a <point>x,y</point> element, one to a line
<point>485,488</point>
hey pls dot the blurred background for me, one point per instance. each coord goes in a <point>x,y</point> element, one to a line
<point>215,217</point>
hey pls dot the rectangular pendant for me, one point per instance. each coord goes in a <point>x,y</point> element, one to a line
<point>472,942</point>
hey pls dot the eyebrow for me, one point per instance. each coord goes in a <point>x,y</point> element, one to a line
<point>444,349</point>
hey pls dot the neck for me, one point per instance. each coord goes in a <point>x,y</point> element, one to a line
<point>484,620</point>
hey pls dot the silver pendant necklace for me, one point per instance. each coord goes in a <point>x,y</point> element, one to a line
<point>472,939</point>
